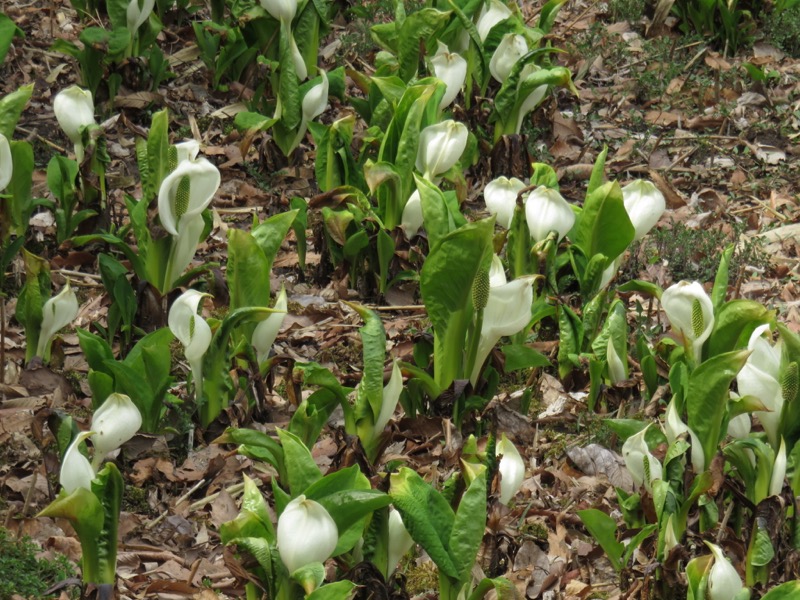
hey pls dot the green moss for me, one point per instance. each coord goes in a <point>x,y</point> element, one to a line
<point>23,573</point>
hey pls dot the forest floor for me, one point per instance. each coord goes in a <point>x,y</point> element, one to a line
<point>722,147</point>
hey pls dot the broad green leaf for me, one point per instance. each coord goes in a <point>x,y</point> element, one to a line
<point>338,590</point>
<point>604,529</point>
<point>734,321</point>
<point>707,397</point>
<point>373,340</point>
<point>787,591</point>
<point>520,356</point>
<point>720,290</point>
<point>158,162</point>
<point>468,526</point>
<point>248,271</point>
<point>418,26</point>
<point>434,211</point>
<point>301,470</point>
<point>11,107</point>
<point>603,226</point>
<point>427,516</point>
<point>107,487</point>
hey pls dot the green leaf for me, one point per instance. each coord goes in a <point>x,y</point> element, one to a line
<point>248,271</point>
<point>158,162</point>
<point>720,290</point>
<point>520,356</point>
<point>301,470</point>
<point>707,398</point>
<point>8,29</point>
<point>373,340</point>
<point>604,529</point>
<point>787,591</point>
<point>644,287</point>
<point>598,176</point>
<point>11,107</point>
<point>108,488</point>
<point>418,26</point>
<point>603,226</point>
<point>434,211</point>
<point>427,516</point>
<point>446,284</point>
<point>338,590</point>
<point>468,526</point>
<point>733,324</point>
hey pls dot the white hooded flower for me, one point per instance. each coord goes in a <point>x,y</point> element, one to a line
<point>501,198</point>
<point>490,17</point>
<point>137,15</point>
<point>642,465</point>
<point>74,110</point>
<point>114,423</point>
<point>400,541</point>
<point>674,427</point>
<point>644,204</point>
<point>510,49</point>
<point>282,10</point>
<point>616,368</point>
<point>546,211</point>
<point>76,470</point>
<point>511,467</point>
<point>533,99</point>
<point>760,377</point>
<point>306,534</point>
<point>187,191</point>
<point>316,99</point>
<point>507,312</point>
<point>723,579</point>
<point>192,331</point>
<point>411,221</point>
<point>6,163</point>
<point>440,147</point>
<point>778,471</point>
<point>267,330</point>
<point>187,150</point>
<point>450,68</point>
<point>690,313</point>
<point>58,312</point>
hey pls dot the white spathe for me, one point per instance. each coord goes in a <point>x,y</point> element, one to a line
<point>491,16</point>
<point>510,49</point>
<point>282,10</point>
<point>267,330</point>
<point>507,312</point>
<point>450,68</point>
<point>58,312</point>
<point>391,396</point>
<point>723,579</point>
<point>400,541</point>
<point>533,99</point>
<point>546,210</point>
<point>6,163</point>
<point>778,470</point>
<point>644,204</point>
<point>690,313</point>
<point>440,147</point>
<point>760,377</point>
<point>137,15</point>
<point>192,331</point>
<point>639,460</point>
<point>411,221</point>
<point>616,368</point>
<point>306,534</point>
<point>175,205</point>
<point>511,467</point>
<point>76,470</point>
<point>500,196</point>
<point>74,110</point>
<point>115,422</point>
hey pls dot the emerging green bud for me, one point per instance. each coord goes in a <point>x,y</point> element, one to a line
<point>306,534</point>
